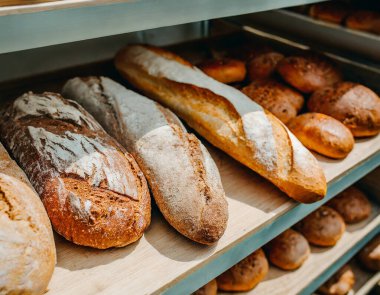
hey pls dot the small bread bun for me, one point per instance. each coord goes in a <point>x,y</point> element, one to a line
<point>364,20</point>
<point>355,105</point>
<point>333,12</point>
<point>308,72</point>
<point>323,227</point>
<point>280,100</point>
<point>289,250</point>
<point>263,65</point>
<point>224,70</point>
<point>352,205</point>
<point>340,283</point>
<point>211,288</point>
<point>323,134</point>
<point>369,256</point>
<point>244,275</point>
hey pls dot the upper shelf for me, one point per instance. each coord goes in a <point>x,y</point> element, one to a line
<point>32,26</point>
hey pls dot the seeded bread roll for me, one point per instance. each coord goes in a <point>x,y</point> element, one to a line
<point>26,239</point>
<point>280,100</point>
<point>211,288</point>
<point>263,65</point>
<point>183,177</point>
<point>323,227</point>
<point>244,275</point>
<point>323,134</point>
<point>355,105</point>
<point>369,256</point>
<point>308,72</point>
<point>224,70</point>
<point>331,11</point>
<point>340,283</point>
<point>225,117</point>
<point>92,189</point>
<point>289,250</point>
<point>352,204</point>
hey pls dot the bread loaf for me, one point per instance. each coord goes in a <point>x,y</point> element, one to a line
<point>93,191</point>
<point>224,70</point>
<point>263,65</point>
<point>355,105</point>
<point>369,256</point>
<point>183,178</point>
<point>323,134</point>
<point>364,20</point>
<point>211,288</point>
<point>26,239</point>
<point>340,283</point>
<point>226,118</point>
<point>331,11</point>
<point>246,274</point>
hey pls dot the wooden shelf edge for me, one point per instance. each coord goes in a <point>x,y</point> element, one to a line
<point>188,283</point>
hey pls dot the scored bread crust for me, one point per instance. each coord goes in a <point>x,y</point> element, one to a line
<point>227,118</point>
<point>181,173</point>
<point>92,189</point>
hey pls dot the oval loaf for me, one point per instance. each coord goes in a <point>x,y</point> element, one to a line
<point>92,189</point>
<point>181,173</point>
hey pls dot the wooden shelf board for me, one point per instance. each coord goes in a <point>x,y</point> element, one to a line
<point>164,261</point>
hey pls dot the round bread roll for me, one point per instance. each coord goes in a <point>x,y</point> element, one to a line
<point>26,240</point>
<point>323,227</point>
<point>364,20</point>
<point>263,65</point>
<point>224,70</point>
<point>244,275</point>
<point>280,100</point>
<point>340,283</point>
<point>323,134</point>
<point>355,105</point>
<point>211,288</point>
<point>333,12</point>
<point>308,72</point>
<point>352,205</point>
<point>289,250</point>
<point>369,256</point>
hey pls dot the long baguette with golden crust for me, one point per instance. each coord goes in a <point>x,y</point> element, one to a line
<point>225,117</point>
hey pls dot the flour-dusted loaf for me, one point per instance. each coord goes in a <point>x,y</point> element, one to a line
<point>27,252</point>
<point>227,118</point>
<point>92,189</point>
<point>183,177</point>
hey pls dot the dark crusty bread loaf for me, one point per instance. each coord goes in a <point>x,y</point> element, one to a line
<point>308,72</point>
<point>280,100</point>
<point>183,177</point>
<point>323,134</point>
<point>288,250</point>
<point>93,191</point>
<point>246,274</point>
<point>227,118</point>
<point>263,65</point>
<point>355,105</point>
<point>27,252</point>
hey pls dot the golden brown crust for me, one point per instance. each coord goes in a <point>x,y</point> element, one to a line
<point>355,105</point>
<point>323,227</point>
<point>224,70</point>
<point>364,20</point>
<point>289,250</point>
<point>280,100</point>
<point>352,204</point>
<point>323,134</point>
<point>308,72</point>
<point>211,288</point>
<point>263,65</point>
<point>244,275</point>
<point>369,256</point>
<point>334,12</point>
<point>340,283</point>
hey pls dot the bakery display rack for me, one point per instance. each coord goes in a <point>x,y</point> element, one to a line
<point>164,262</point>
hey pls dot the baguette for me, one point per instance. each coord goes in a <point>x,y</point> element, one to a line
<point>93,191</point>
<point>227,118</point>
<point>26,239</point>
<point>183,178</point>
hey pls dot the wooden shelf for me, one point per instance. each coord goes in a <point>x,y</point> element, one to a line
<point>165,262</point>
<point>322,263</point>
<point>32,26</point>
